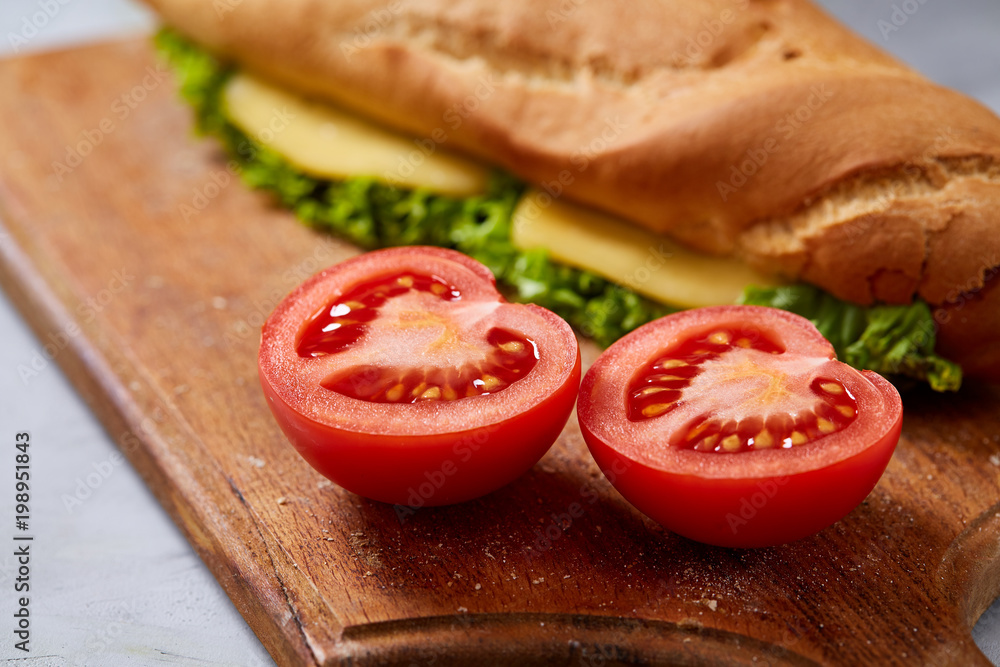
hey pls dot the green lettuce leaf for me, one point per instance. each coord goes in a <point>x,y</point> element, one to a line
<point>372,214</point>
<point>891,340</point>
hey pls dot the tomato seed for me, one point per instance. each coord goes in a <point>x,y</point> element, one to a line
<point>763,440</point>
<point>648,391</point>
<point>657,409</point>
<point>720,338</point>
<point>667,378</point>
<point>488,383</point>
<point>432,394</point>
<point>513,346</point>
<point>707,444</point>
<point>695,432</point>
<point>732,443</point>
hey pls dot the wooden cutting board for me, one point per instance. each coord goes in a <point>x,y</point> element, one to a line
<point>147,270</point>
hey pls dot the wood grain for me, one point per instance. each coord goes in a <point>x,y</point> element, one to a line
<point>154,312</point>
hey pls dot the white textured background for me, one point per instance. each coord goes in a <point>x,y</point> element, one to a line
<point>113,581</point>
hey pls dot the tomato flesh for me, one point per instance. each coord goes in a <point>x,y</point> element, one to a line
<point>404,376</point>
<point>341,323</point>
<point>693,415</point>
<point>722,362</point>
<point>507,357</point>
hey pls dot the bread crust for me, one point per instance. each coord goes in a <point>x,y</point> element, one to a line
<point>967,329</point>
<point>756,128</point>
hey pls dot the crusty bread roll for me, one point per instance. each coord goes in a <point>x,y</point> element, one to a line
<point>968,329</point>
<point>761,129</point>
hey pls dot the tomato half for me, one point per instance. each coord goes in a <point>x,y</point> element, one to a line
<point>735,425</point>
<point>404,376</point>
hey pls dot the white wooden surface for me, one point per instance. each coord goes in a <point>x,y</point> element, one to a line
<point>113,581</point>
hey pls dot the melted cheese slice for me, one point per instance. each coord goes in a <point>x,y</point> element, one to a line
<point>645,262</point>
<point>328,142</point>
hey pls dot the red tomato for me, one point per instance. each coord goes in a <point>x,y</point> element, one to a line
<point>404,376</point>
<point>735,426</point>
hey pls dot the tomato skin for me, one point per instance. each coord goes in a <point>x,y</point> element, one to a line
<point>433,452</point>
<point>428,470</point>
<point>765,506</point>
<point>747,512</point>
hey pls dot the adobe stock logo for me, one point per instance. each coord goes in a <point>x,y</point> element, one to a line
<point>899,17</point>
<point>365,34</point>
<point>699,44</point>
<point>786,127</point>
<point>750,506</point>
<point>463,450</point>
<point>122,107</point>
<point>32,24</point>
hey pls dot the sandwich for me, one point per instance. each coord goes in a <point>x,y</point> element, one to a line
<point>616,161</point>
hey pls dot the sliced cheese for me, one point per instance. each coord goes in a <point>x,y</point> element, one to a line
<point>327,142</point>
<point>645,262</point>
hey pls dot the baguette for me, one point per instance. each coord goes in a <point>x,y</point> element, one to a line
<point>759,129</point>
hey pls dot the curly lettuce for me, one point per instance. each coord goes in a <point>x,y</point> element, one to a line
<point>894,340</point>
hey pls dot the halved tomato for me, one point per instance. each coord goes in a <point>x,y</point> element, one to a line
<point>404,376</point>
<point>735,425</point>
